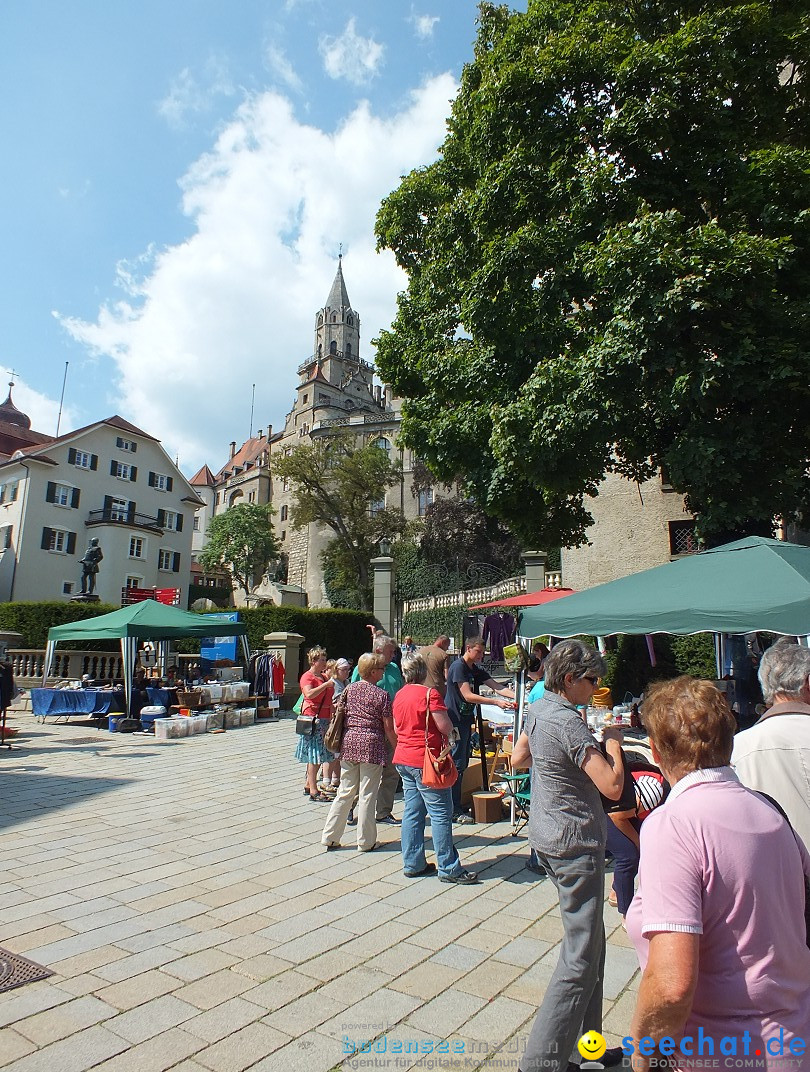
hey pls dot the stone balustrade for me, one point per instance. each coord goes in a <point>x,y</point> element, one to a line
<point>511,586</point>
<point>28,665</point>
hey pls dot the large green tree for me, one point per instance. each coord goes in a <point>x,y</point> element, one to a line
<point>609,266</point>
<point>339,484</point>
<point>241,543</point>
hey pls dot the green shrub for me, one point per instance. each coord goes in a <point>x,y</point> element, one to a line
<point>344,633</point>
<point>629,668</point>
<point>341,632</point>
<point>34,620</point>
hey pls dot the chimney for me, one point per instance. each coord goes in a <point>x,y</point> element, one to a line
<point>377,393</point>
<point>269,431</point>
<point>233,448</point>
<point>261,433</point>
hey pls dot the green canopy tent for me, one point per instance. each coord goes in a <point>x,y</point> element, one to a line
<point>751,585</point>
<point>147,620</point>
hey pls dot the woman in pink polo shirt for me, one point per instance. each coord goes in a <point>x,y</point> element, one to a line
<point>718,922</point>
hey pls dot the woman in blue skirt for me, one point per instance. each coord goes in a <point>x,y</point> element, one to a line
<point>317,690</point>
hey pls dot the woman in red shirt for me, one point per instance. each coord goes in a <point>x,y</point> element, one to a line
<point>317,690</point>
<point>411,705</point>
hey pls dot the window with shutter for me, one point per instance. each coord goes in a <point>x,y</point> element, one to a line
<point>71,456</point>
<point>133,472</point>
<point>5,537</point>
<point>94,462</point>
<point>169,483</point>
<point>71,543</point>
<point>74,498</point>
<point>151,479</point>
<point>46,539</point>
<point>161,519</point>
<point>179,525</point>
<point>176,562</point>
<point>50,492</point>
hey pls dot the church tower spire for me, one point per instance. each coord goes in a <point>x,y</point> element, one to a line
<point>337,331</point>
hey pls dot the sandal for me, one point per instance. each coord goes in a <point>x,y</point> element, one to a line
<point>320,798</point>
<point>612,899</point>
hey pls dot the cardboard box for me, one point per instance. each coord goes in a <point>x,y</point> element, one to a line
<point>470,782</point>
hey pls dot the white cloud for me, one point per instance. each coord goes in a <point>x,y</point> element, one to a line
<point>423,25</point>
<point>43,411</point>
<point>281,66</point>
<point>235,304</point>
<point>351,56</point>
<point>188,96</point>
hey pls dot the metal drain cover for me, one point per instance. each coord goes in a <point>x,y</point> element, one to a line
<point>17,971</point>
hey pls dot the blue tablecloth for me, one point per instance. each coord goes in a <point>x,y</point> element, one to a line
<point>162,697</point>
<point>59,702</point>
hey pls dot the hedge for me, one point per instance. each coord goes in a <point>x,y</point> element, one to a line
<point>34,620</point>
<point>342,632</point>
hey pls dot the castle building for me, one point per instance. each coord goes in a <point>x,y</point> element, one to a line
<point>336,392</point>
<point>634,527</point>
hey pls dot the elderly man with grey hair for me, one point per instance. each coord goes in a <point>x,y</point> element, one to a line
<point>568,831</point>
<point>774,755</point>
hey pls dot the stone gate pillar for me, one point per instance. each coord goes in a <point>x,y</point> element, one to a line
<point>535,566</point>
<point>383,567</point>
<point>288,646</point>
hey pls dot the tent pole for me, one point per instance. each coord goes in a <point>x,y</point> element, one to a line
<point>49,649</point>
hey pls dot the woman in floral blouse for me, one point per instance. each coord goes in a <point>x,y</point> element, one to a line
<point>368,721</point>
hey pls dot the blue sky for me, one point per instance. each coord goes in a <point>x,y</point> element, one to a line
<point>178,177</point>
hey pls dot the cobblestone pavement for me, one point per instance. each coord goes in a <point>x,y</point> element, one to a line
<point>180,893</point>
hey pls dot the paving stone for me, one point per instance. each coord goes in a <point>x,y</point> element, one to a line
<point>198,965</point>
<point>224,1019</point>
<point>97,1044</point>
<point>156,1054</point>
<point>79,985</point>
<point>20,1004</point>
<point>150,1019</point>
<point>32,939</point>
<point>459,956</point>
<point>522,951</point>
<point>498,1020</point>
<point>373,1015</point>
<point>330,965</point>
<point>306,1013</point>
<point>63,1020</point>
<point>313,1052</point>
<point>401,1048</point>
<point>134,964</point>
<point>13,1046</point>
<point>446,1012</point>
<point>242,1049</point>
<point>488,979</point>
<point>130,993</point>
<point>280,990</point>
<point>426,980</point>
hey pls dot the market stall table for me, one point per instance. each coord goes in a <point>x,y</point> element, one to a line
<point>65,703</point>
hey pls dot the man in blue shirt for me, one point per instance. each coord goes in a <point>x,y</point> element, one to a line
<point>464,679</point>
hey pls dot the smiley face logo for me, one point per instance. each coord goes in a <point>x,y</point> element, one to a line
<point>592,1046</point>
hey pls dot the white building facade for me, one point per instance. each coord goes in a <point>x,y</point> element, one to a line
<point>110,481</point>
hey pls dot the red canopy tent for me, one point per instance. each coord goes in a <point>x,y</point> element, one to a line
<point>527,599</point>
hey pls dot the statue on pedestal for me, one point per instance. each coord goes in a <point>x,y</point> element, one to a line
<point>92,556</point>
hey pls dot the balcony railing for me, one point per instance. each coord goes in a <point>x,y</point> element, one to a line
<point>111,516</point>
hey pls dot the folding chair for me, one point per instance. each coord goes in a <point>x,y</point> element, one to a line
<point>518,793</point>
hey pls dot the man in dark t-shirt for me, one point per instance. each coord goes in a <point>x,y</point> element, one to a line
<point>464,679</point>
